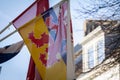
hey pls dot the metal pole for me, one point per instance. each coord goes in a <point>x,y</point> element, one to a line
<point>8,35</point>
<point>70,58</point>
<point>6,27</point>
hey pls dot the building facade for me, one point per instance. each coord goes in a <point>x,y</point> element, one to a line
<point>100,51</point>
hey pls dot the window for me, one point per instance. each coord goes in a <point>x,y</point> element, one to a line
<point>100,51</point>
<point>91,57</point>
<point>78,59</point>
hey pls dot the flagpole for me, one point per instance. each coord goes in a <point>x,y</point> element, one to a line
<point>6,27</point>
<point>8,35</point>
<point>70,58</point>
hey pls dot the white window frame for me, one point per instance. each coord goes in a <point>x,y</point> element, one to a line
<point>91,40</point>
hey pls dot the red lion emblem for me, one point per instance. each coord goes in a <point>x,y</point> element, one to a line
<point>39,42</point>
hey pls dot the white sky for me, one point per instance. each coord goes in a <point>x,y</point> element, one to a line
<point>16,68</point>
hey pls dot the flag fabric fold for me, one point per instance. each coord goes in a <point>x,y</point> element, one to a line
<point>31,70</point>
<point>10,51</point>
<point>33,73</point>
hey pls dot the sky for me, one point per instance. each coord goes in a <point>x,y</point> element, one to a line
<point>16,68</point>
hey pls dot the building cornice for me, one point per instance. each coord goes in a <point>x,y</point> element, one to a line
<point>92,35</point>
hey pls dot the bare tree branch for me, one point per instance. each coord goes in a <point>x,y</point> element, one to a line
<point>99,9</point>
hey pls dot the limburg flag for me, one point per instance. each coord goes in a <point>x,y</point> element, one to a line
<point>42,5</point>
<point>38,7</point>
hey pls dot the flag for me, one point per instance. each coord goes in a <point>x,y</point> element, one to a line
<point>46,39</point>
<point>37,75</point>
<point>10,51</point>
<point>38,7</point>
<point>33,73</point>
<point>34,9</point>
<point>36,39</point>
<point>31,70</point>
